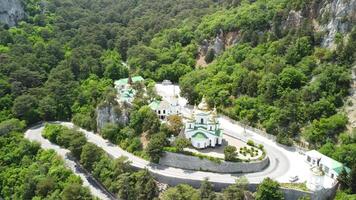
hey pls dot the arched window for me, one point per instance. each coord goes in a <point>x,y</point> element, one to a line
<point>202,121</point>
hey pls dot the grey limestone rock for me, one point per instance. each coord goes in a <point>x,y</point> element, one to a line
<point>11,11</point>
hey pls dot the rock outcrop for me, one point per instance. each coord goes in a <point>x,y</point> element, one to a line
<point>217,45</point>
<point>11,11</point>
<point>111,113</point>
<point>339,17</point>
<point>328,17</point>
<point>293,20</point>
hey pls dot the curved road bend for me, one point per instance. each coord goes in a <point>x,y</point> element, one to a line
<point>96,189</point>
<point>279,164</point>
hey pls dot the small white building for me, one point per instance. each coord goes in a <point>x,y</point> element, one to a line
<point>329,166</point>
<point>203,129</point>
<point>164,108</point>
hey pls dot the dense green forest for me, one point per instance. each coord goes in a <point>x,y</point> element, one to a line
<point>59,63</point>
<point>27,172</point>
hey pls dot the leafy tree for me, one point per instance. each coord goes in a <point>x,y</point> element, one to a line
<point>175,124</point>
<point>145,187</point>
<point>182,191</point>
<point>210,55</point>
<point>125,189</point>
<point>268,190</point>
<point>47,108</point>
<point>25,107</point>
<point>230,153</point>
<point>76,145</point>
<point>291,78</point>
<point>325,128</point>
<point>45,186</point>
<point>114,69</point>
<point>39,174</point>
<point>340,195</point>
<point>302,47</point>
<point>110,131</point>
<point>90,154</point>
<point>187,85</point>
<point>144,120</point>
<point>11,125</point>
<point>155,146</point>
<point>206,190</point>
<point>61,83</point>
<point>181,143</point>
<point>233,192</point>
<point>75,191</point>
<point>236,191</point>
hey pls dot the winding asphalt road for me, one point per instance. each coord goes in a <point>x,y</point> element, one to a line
<point>278,168</point>
<point>284,162</point>
<point>97,190</point>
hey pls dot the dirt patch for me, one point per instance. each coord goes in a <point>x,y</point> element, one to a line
<point>230,38</point>
<point>144,140</point>
<point>201,61</point>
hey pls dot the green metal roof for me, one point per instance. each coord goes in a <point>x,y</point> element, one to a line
<point>128,94</point>
<point>217,132</point>
<point>154,105</point>
<point>199,136</point>
<point>124,81</point>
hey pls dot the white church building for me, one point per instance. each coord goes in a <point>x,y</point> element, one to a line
<point>203,129</point>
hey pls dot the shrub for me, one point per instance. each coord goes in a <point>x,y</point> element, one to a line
<point>11,125</point>
<point>251,143</point>
<point>230,153</point>
<point>52,132</point>
<point>181,143</point>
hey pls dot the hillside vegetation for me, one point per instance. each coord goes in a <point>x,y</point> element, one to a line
<point>272,71</point>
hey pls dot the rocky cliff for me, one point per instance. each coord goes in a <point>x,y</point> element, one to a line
<point>337,16</point>
<point>328,17</point>
<point>11,11</point>
<point>111,113</point>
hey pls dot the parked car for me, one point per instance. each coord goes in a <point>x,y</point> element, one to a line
<point>293,178</point>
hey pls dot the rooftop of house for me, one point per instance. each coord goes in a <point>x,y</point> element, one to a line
<point>329,162</point>
<point>124,81</point>
<point>154,105</point>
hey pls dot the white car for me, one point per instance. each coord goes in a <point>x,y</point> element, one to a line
<point>293,178</point>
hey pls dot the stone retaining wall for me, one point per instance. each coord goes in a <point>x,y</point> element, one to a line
<point>289,194</point>
<point>195,163</point>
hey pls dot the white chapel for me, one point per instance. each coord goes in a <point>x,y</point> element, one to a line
<point>203,128</point>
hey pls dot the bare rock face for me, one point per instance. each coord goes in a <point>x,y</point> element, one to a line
<point>219,43</point>
<point>339,17</point>
<point>11,11</point>
<point>109,113</point>
<point>293,20</point>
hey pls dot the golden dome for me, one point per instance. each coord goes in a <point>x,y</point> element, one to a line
<point>203,105</point>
